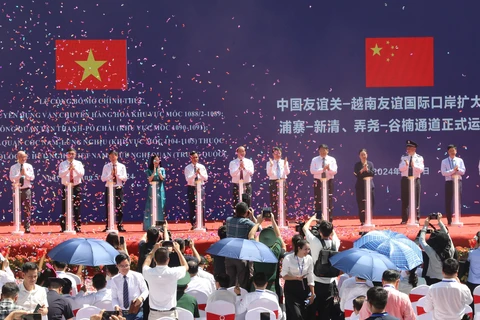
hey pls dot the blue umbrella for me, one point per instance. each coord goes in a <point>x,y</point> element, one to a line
<point>243,249</point>
<point>403,252</point>
<point>85,252</point>
<point>362,263</point>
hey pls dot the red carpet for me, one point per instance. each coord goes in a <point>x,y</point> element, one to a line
<point>347,229</point>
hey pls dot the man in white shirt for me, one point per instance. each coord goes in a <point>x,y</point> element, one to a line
<point>241,170</point>
<point>323,167</point>
<point>6,274</point>
<point>411,165</point>
<point>60,268</point>
<point>115,172</point>
<point>277,169</point>
<point>129,289</point>
<point>22,174</point>
<point>260,282</point>
<point>323,285</point>
<point>163,300</point>
<point>352,288</point>
<point>452,166</point>
<point>71,171</point>
<point>195,173</point>
<point>31,294</point>
<point>102,297</point>
<point>205,274</point>
<point>196,282</point>
<point>447,299</point>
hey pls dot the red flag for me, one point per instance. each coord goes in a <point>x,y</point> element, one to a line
<point>399,62</point>
<point>91,64</point>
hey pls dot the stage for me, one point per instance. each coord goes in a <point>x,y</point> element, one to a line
<point>48,236</point>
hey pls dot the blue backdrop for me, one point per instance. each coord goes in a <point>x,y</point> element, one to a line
<point>213,75</point>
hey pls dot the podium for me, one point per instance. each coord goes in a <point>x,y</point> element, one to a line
<point>241,189</point>
<point>412,222</point>
<point>325,213</point>
<point>199,206</point>
<point>17,218</point>
<point>111,208</point>
<point>368,202</point>
<point>69,209</point>
<point>153,203</point>
<point>456,201</point>
<point>281,204</point>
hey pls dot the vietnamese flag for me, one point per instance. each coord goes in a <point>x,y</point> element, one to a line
<point>91,64</point>
<point>399,62</point>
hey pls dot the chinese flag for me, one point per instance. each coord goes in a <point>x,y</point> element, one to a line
<point>399,62</point>
<point>91,64</point>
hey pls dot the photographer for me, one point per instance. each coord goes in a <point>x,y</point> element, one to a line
<point>438,248</point>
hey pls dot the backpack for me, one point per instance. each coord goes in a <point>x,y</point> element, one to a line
<point>323,267</point>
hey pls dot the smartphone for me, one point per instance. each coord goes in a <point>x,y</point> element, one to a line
<point>264,315</point>
<point>122,240</point>
<point>159,223</point>
<point>32,316</point>
<point>37,308</point>
<point>167,244</point>
<point>107,314</point>
<point>267,212</point>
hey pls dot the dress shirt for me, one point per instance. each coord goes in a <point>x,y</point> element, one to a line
<point>29,174</point>
<point>294,266</point>
<point>234,168</point>
<point>224,295</point>
<point>190,174</point>
<point>64,172</point>
<point>253,296</point>
<point>93,298</point>
<point>316,167</point>
<point>398,305</point>
<point>316,246</point>
<point>350,292</point>
<point>447,299</point>
<point>272,170</point>
<point>207,275</point>
<point>6,276</point>
<point>474,272</point>
<point>239,227</point>
<point>418,163</point>
<point>30,299</point>
<point>448,164</point>
<point>199,284</point>
<point>121,174</point>
<point>164,279</point>
<point>63,275</point>
<point>136,288</point>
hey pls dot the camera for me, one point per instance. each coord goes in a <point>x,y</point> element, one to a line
<point>187,243</point>
<point>107,314</point>
<point>267,212</point>
<point>159,223</point>
<point>433,216</point>
<point>246,198</point>
<point>167,244</point>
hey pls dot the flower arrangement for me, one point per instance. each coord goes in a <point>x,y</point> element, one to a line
<point>462,253</point>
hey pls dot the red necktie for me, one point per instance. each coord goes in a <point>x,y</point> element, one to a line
<point>114,172</point>
<point>71,175</point>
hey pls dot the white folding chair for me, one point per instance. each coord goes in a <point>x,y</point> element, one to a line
<point>87,312</point>
<point>166,318</point>
<point>184,314</point>
<point>416,294</point>
<point>220,309</point>
<point>201,300</point>
<point>254,314</point>
<point>104,305</point>
<point>421,313</point>
<point>266,304</point>
<point>348,309</point>
<point>468,310</point>
<point>476,300</point>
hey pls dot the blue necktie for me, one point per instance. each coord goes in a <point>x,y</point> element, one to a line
<point>324,174</point>
<point>279,173</point>
<point>410,167</point>
<point>126,302</point>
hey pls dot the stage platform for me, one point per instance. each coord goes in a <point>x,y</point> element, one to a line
<point>348,230</point>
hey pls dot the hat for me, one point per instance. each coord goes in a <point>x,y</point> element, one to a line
<point>267,237</point>
<point>450,146</point>
<point>183,282</point>
<point>59,281</point>
<point>410,143</point>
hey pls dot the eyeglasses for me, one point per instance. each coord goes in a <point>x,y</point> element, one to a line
<point>124,266</point>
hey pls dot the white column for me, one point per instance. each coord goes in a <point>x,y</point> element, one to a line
<point>111,207</point>
<point>69,209</point>
<point>281,204</point>
<point>411,207</point>
<point>368,202</point>
<point>240,190</point>
<point>325,213</point>
<point>154,204</point>
<point>456,201</point>
<point>199,206</point>
<point>17,218</point>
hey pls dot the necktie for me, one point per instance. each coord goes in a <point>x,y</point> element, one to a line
<point>196,175</point>
<point>71,175</point>
<point>22,178</point>
<point>453,163</point>
<point>241,172</point>
<point>114,172</point>
<point>324,174</point>
<point>126,301</point>
<point>279,173</point>
<point>410,167</point>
